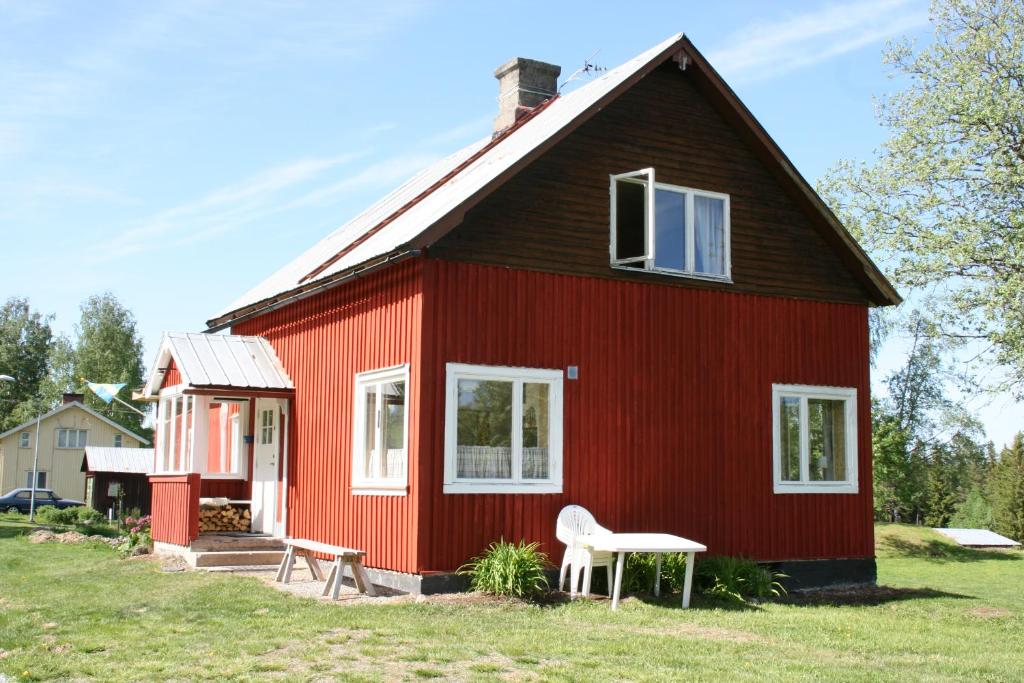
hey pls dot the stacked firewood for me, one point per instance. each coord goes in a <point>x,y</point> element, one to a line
<point>223,518</point>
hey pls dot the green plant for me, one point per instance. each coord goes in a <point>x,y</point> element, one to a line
<point>516,570</point>
<point>87,516</point>
<point>48,514</point>
<point>737,579</point>
<point>639,572</point>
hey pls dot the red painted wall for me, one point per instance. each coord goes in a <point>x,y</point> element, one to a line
<point>175,508</point>
<point>373,322</point>
<point>668,427</point>
<point>172,377</point>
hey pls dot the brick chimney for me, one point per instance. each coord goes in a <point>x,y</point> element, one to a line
<point>522,85</point>
<point>73,398</point>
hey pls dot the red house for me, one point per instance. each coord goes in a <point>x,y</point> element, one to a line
<point>626,298</point>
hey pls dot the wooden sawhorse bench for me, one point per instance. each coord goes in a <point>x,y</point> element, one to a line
<point>342,556</point>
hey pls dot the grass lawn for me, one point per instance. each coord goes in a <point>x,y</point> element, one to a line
<point>74,612</point>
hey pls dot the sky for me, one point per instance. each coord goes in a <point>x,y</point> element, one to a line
<point>176,153</point>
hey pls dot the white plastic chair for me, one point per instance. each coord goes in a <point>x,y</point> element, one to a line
<point>574,521</point>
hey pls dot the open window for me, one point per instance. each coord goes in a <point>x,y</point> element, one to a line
<point>669,229</point>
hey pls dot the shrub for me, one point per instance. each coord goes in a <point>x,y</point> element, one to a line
<point>639,572</point>
<point>736,579</point>
<point>138,534</point>
<point>516,570</point>
<point>88,516</point>
<point>48,514</point>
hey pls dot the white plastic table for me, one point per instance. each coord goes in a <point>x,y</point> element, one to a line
<point>642,543</point>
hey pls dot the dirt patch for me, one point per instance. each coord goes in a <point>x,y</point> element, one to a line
<point>990,612</point>
<point>41,536</point>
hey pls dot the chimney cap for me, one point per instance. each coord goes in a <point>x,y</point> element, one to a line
<point>522,63</point>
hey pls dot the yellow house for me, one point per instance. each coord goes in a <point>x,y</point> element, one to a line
<point>63,435</point>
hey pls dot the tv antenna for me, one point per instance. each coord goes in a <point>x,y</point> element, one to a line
<point>588,69</point>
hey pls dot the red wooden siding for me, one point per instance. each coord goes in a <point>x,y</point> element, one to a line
<point>175,508</point>
<point>323,342</point>
<point>172,377</point>
<point>668,427</point>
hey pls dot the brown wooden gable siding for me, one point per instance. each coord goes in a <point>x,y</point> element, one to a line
<point>553,216</point>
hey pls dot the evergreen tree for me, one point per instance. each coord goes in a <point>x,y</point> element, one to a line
<point>25,338</point>
<point>1007,482</point>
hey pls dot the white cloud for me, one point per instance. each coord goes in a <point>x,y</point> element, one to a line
<point>766,49</point>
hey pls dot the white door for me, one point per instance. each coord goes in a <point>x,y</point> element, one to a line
<point>265,458</point>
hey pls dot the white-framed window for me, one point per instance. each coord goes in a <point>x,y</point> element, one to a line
<point>503,430</point>
<point>71,438</point>
<point>118,440</point>
<point>24,440</point>
<point>814,438</point>
<point>40,479</point>
<point>381,431</point>
<point>225,442</point>
<point>669,229</point>
<point>174,433</point>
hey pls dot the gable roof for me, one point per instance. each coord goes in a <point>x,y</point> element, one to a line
<point>219,361</point>
<point>65,406</point>
<point>434,201</point>
<point>120,460</point>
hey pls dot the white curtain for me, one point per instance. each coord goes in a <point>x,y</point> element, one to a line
<point>484,462</point>
<point>709,235</point>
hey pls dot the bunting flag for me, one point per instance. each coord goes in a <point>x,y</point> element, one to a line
<point>106,392</point>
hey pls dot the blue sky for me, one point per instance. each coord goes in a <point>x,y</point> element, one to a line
<point>175,153</point>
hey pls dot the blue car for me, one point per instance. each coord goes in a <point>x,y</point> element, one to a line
<point>19,500</point>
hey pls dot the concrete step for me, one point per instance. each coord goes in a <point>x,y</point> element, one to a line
<point>225,542</point>
<point>230,558</point>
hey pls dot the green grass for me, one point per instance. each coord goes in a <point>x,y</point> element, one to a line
<point>78,612</point>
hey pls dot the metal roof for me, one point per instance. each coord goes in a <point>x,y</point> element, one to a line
<point>404,218</point>
<point>121,460</point>
<point>978,537</point>
<point>424,213</point>
<point>219,360</point>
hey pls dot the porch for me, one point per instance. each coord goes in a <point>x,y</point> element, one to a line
<point>222,427</point>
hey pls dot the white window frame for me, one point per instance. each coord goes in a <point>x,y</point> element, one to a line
<point>39,473</point>
<point>25,440</point>
<point>803,392</point>
<point>383,486</point>
<point>650,216</point>
<point>67,431</point>
<point>516,375</point>
<point>118,440</point>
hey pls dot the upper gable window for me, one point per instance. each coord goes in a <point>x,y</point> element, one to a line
<point>667,228</point>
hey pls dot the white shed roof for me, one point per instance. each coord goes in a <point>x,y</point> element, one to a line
<point>219,360</point>
<point>979,538</point>
<point>122,460</point>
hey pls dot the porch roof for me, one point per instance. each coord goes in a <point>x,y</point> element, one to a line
<point>219,361</point>
<point>119,460</point>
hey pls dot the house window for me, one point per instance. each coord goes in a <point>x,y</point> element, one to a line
<point>380,443</point>
<point>503,430</point>
<point>668,229</point>
<point>71,438</point>
<point>118,440</point>
<point>224,438</point>
<point>174,435</point>
<point>40,480</point>
<point>24,440</point>
<point>266,427</point>
<point>815,439</point>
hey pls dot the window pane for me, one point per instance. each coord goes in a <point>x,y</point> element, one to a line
<point>789,438</point>
<point>484,429</point>
<point>630,221</point>
<point>827,439</point>
<point>41,483</point>
<point>393,397</point>
<point>670,229</point>
<point>371,463</point>
<point>81,438</point>
<point>535,431</point>
<point>62,438</point>
<point>709,235</point>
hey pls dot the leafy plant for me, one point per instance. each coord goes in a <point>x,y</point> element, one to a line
<point>516,570</point>
<point>639,572</point>
<point>139,535</point>
<point>49,514</point>
<point>88,516</point>
<point>737,579</point>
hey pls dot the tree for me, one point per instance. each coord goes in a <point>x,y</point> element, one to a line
<point>109,350</point>
<point>1008,490</point>
<point>25,337</point>
<point>943,203</point>
<point>974,513</point>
